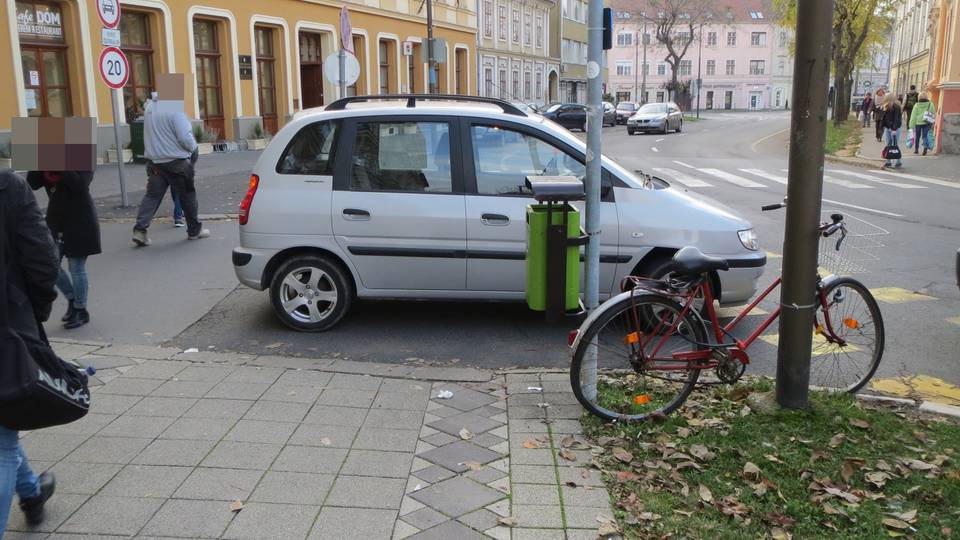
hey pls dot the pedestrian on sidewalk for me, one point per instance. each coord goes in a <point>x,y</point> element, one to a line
<point>921,119</point>
<point>878,112</point>
<point>171,153</point>
<point>867,109</point>
<point>909,102</point>
<point>28,280</point>
<point>72,219</point>
<point>892,120</point>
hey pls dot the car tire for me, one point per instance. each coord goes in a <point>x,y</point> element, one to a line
<point>629,131</point>
<point>657,268</point>
<point>300,293</point>
<point>680,127</point>
<point>666,127</point>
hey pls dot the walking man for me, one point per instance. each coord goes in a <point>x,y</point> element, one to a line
<point>867,109</point>
<point>909,102</point>
<point>171,153</point>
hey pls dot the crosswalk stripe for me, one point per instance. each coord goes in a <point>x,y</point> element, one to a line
<point>841,182</point>
<point>955,185</point>
<point>732,178</point>
<point>765,174</point>
<point>683,178</point>
<point>883,181</point>
<point>684,164</point>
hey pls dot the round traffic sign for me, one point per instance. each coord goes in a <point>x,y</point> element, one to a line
<point>114,68</point>
<point>331,68</point>
<point>109,12</point>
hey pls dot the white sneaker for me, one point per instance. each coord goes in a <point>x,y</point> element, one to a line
<point>179,223</point>
<point>140,238</point>
<point>204,233</point>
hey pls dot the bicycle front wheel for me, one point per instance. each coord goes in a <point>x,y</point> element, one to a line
<point>633,346</point>
<point>854,317</point>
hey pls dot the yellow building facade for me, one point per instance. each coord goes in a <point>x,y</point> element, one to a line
<point>254,62</point>
<point>944,81</point>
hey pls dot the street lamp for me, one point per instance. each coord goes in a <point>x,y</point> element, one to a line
<point>646,41</point>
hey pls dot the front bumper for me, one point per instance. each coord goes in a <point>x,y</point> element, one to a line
<point>645,126</point>
<point>740,283</point>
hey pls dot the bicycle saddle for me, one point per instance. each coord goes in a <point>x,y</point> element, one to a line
<point>690,261</point>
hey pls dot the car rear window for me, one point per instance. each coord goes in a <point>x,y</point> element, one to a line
<point>311,150</point>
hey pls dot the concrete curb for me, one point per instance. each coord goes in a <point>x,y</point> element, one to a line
<point>201,217</point>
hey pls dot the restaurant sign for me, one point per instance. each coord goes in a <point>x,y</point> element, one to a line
<point>39,21</point>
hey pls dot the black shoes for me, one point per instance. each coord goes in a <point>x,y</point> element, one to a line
<point>924,151</point>
<point>33,507</point>
<point>69,314</point>
<point>80,317</point>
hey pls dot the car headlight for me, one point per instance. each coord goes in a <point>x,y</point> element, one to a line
<point>749,239</point>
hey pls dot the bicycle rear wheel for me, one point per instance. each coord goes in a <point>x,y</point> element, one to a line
<point>630,353</point>
<point>854,317</point>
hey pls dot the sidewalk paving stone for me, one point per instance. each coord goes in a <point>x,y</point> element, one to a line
<point>475,424</point>
<point>274,521</point>
<point>56,510</point>
<point>146,481</point>
<point>130,425</point>
<point>297,393</point>
<point>162,406</point>
<point>279,411</point>
<point>339,523</point>
<point>260,431</point>
<point>378,463</point>
<point>108,450</point>
<point>129,386</point>
<point>537,516</point>
<point>207,429</point>
<point>457,496</point>
<point>337,416</point>
<point>293,488</point>
<point>138,351</point>
<point>157,369</point>
<point>447,530</point>
<point>424,518</point>
<point>229,409</point>
<point>206,483</point>
<point>238,390</point>
<point>195,389</point>
<point>174,452</point>
<point>310,459</point>
<point>347,397</point>
<point>111,515</point>
<point>366,492</point>
<point>242,455</point>
<point>88,425</point>
<point>81,478</point>
<point>397,440</point>
<point>189,519</point>
<point>254,375</point>
<point>541,534</point>
<point>454,456</point>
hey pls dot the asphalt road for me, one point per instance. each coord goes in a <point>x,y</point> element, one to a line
<point>738,159</point>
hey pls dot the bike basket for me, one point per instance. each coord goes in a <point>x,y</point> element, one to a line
<point>858,251</point>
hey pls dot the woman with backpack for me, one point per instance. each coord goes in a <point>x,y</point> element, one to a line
<point>891,120</point>
<point>922,118</point>
<point>72,219</point>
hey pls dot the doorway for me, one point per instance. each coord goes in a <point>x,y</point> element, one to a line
<point>311,70</point>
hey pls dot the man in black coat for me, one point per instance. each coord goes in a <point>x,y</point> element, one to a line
<point>30,275</point>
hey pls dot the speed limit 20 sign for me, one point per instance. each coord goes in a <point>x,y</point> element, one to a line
<point>114,68</point>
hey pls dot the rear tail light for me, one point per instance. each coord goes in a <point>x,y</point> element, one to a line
<point>248,199</point>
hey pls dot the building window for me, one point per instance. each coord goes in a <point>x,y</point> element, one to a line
<point>502,22</point>
<point>728,99</point>
<point>539,30</point>
<point>781,65</point>
<point>460,71</point>
<point>683,37</point>
<point>266,85</point>
<point>659,97</point>
<point>783,40</point>
<point>758,39</point>
<point>686,67</point>
<point>661,69</point>
<point>731,39</point>
<point>384,61</point>
<point>709,99</point>
<point>207,49</point>
<point>731,67</point>
<point>311,70</point>
<point>413,68</point>
<point>539,85</point>
<point>360,85</point>
<point>516,25</point>
<point>136,44</point>
<point>711,67</point>
<point>711,39</point>
<point>624,68</point>
<point>757,67</point>
<point>623,96</point>
<point>43,53</point>
<point>646,68</point>
<point>527,29</point>
<point>779,97</point>
<point>488,82</point>
<point>502,84</point>
<point>516,85</point>
<point>624,39</point>
<point>527,83</point>
<point>488,18</point>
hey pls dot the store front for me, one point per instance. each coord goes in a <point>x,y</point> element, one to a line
<point>43,54</point>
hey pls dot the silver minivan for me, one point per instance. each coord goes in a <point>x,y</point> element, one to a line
<point>424,198</point>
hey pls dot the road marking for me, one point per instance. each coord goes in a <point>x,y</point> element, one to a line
<point>683,178</point>
<point>954,320</point>
<point>841,182</point>
<point>765,174</point>
<point>733,179</point>
<point>684,164</point>
<point>934,181</point>
<point>753,147</point>
<point>896,295</point>
<point>733,311</point>
<point>654,148</point>
<point>882,181</point>
<point>923,386</point>
<point>658,140</point>
<point>774,255</point>
<point>864,208</point>
<point>819,347</point>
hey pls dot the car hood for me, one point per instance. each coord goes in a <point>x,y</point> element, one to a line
<point>674,218</point>
<point>649,116</point>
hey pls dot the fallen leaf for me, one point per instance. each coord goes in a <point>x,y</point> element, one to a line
<point>877,478</point>
<point>622,454</point>
<point>830,509</point>
<point>567,455</point>
<point>777,518</point>
<point>529,444</point>
<point>862,424</point>
<point>626,476</point>
<point>607,529</point>
<point>773,459</point>
<point>465,434</point>
<point>325,441</point>
<point>472,465</point>
<point>683,513</point>
<point>760,489</point>
<point>921,436</point>
<point>507,521</point>
<point>817,455</point>
<point>649,516</point>
<point>236,506</point>
<point>918,465</point>
<point>683,432</point>
<point>909,516</point>
<point>750,469</point>
<point>846,471</point>
<point>274,345</point>
<point>739,393</point>
<point>836,440</point>
<point>849,497</point>
<point>702,453</point>
<point>705,494</point>
<point>895,523</point>
<point>567,441</point>
<point>779,534</point>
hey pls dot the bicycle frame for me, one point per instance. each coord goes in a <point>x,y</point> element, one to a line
<point>705,359</point>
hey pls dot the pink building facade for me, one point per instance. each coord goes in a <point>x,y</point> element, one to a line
<point>737,58</point>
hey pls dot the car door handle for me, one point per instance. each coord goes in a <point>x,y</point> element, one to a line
<point>355,214</point>
<point>497,220</point>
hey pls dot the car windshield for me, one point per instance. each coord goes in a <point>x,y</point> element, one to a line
<point>654,108</point>
<point>554,107</point>
<point>626,106</point>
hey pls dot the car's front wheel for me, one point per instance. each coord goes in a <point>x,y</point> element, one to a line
<point>680,127</point>
<point>629,131</point>
<point>310,293</point>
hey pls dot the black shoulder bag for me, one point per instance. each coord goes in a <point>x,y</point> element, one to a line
<point>37,388</point>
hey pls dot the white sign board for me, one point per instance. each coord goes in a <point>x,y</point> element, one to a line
<point>331,69</point>
<point>30,99</point>
<point>408,48</point>
<point>114,68</point>
<point>109,12</point>
<point>34,78</point>
<point>109,37</point>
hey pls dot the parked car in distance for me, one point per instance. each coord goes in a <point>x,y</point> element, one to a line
<point>525,107</point>
<point>568,115</point>
<point>609,114</point>
<point>625,110</point>
<point>660,117</point>
<point>424,198</point>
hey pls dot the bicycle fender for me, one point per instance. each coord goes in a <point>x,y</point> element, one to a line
<point>603,308</point>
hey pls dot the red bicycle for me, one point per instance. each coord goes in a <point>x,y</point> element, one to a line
<point>647,349</point>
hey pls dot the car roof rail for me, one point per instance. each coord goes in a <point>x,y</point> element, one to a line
<point>411,99</point>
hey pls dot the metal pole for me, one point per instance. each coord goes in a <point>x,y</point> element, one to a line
<point>808,122</point>
<point>342,57</point>
<point>699,67</point>
<point>637,67</point>
<point>114,99</point>
<point>643,86</point>
<point>588,373</point>
<point>432,89</point>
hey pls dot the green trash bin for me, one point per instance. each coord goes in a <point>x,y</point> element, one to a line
<point>136,139</point>
<point>537,255</point>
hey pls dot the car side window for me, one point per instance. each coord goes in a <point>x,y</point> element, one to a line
<point>402,156</point>
<point>503,158</point>
<point>310,151</point>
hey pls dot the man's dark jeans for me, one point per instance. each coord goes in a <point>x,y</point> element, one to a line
<point>178,176</point>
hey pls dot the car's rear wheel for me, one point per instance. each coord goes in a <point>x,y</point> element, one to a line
<point>310,293</point>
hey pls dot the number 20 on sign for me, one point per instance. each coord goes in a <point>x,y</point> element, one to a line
<point>113,67</point>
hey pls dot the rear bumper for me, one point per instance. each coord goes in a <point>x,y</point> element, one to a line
<point>250,264</point>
